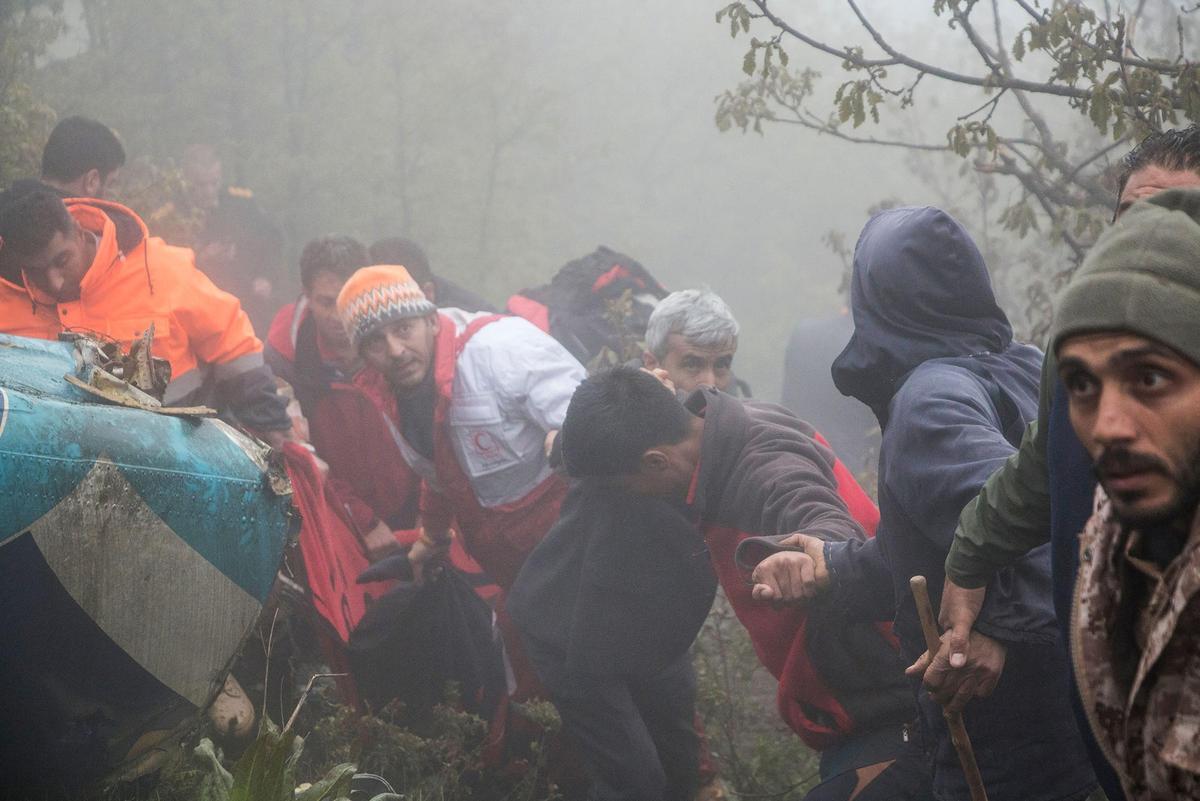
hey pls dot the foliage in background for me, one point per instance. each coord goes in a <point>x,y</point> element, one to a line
<point>323,108</point>
<point>26,30</point>
<point>1078,87</point>
<point>759,756</point>
<point>620,313</point>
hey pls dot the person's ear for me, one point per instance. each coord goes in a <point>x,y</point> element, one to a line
<point>435,322</point>
<point>654,461</point>
<point>91,183</point>
<point>430,290</point>
<point>649,360</point>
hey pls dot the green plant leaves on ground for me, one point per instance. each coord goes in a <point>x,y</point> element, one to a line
<point>335,785</point>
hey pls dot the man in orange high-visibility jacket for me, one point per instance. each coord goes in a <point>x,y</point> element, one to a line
<point>91,266</point>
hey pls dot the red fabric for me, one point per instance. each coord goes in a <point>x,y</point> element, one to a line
<point>617,272</point>
<point>861,507</point>
<point>779,633</point>
<point>332,555</point>
<point>498,538</point>
<point>279,335</point>
<point>531,310</point>
<point>349,433</point>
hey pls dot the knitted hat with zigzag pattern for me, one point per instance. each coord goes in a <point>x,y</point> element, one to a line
<point>378,295</point>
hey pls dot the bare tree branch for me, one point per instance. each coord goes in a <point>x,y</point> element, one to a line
<point>992,81</point>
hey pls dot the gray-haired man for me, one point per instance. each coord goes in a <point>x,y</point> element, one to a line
<point>693,336</point>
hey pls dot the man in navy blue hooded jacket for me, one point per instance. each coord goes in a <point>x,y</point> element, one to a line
<point>933,356</point>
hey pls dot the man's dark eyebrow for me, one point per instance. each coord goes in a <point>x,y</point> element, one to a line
<point>1121,358</point>
<point>1071,363</point>
<point>1124,357</point>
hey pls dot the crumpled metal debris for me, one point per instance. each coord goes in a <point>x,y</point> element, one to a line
<point>136,379</point>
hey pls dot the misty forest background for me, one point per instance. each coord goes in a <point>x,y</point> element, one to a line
<point>507,138</point>
<point>510,138</point>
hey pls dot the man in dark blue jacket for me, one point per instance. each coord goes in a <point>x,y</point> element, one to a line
<point>932,355</point>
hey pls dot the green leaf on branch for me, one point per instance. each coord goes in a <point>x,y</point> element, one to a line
<point>739,18</point>
<point>748,62</point>
<point>957,141</point>
<point>1019,217</point>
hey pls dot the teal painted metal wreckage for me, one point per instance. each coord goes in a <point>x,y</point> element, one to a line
<point>137,550</point>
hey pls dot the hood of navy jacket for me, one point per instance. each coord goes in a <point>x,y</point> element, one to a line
<point>920,291</point>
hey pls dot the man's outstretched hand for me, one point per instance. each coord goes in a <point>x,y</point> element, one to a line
<point>968,664</point>
<point>792,576</point>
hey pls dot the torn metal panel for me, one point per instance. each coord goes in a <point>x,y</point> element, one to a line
<point>136,550</point>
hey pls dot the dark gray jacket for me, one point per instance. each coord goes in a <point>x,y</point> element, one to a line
<point>619,586</point>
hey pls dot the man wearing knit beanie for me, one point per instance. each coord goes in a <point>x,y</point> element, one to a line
<point>1127,337</point>
<point>1044,492</point>
<point>473,401</point>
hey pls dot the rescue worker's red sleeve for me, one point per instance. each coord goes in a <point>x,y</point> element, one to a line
<point>278,350</point>
<point>359,510</point>
<point>279,335</point>
<point>365,467</point>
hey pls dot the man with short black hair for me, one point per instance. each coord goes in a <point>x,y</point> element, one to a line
<point>611,601</point>
<point>92,266</point>
<point>308,347</point>
<point>747,473</point>
<point>82,158</point>
<point>1164,160</point>
<point>307,344</point>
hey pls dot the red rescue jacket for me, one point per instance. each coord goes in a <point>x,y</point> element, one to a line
<point>497,537</point>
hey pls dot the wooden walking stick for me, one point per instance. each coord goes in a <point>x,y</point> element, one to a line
<point>954,722</point>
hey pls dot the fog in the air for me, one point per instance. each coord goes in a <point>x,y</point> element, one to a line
<point>510,138</point>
